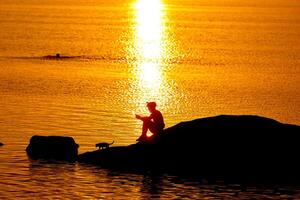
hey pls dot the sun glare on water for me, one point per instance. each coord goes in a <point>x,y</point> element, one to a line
<point>149,42</point>
<point>149,28</point>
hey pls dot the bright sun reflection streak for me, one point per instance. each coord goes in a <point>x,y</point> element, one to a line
<point>149,43</point>
<point>149,28</point>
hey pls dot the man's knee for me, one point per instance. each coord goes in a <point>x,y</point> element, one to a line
<point>146,120</point>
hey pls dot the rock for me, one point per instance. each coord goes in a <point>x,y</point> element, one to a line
<point>226,146</point>
<point>58,56</point>
<point>1,144</point>
<point>52,147</point>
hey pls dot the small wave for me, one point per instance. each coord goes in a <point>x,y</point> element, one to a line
<point>117,59</point>
<point>67,57</point>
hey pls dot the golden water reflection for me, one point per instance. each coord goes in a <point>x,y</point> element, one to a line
<point>150,51</point>
<point>149,29</point>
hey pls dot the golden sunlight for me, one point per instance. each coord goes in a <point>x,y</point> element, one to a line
<point>150,75</point>
<point>149,28</point>
<point>150,51</point>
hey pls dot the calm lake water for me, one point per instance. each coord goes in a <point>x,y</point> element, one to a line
<point>194,58</point>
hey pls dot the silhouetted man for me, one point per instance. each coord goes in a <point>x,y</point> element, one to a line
<point>154,122</point>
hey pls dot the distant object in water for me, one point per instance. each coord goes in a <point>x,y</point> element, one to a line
<point>1,144</point>
<point>103,145</point>
<point>58,56</point>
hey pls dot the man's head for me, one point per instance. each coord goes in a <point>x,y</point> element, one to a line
<point>151,106</point>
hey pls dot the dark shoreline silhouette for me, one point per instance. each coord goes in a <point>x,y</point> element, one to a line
<point>247,148</point>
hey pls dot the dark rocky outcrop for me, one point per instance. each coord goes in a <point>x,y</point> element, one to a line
<point>52,147</point>
<point>227,147</point>
<point>1,144</point>
<point>58,56</point>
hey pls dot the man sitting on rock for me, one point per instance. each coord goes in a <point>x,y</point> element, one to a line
<point>154,123</point>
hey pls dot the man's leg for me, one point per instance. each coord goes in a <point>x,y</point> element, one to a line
<point>152,128</point>
<point>145,128</point>
<point>146,124</point>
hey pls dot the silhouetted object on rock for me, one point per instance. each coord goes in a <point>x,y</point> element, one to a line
<point>227,147</point>
<point>1,144</point>
<point>154,123</point>
<point>52,147</point>
<point>103,145</point>
<point>57,56</point>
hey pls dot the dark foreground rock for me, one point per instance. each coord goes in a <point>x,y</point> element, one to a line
<point>52,147</point>
<point>1,144</point>
<point>227,147</point>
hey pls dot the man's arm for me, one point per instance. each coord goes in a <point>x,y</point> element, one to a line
<point>142,118</point>
<point>138,116</point>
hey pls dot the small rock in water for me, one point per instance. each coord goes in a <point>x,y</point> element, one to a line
<point>52,147</point>
<point>1,144</point>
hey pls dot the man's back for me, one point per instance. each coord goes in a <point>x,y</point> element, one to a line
<point>158,119</point>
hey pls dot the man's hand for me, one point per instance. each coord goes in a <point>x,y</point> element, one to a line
<point>138,116</point>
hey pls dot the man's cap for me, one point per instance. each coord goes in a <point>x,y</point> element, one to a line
<point>151,104</point>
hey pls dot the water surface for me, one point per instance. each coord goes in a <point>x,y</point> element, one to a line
<point>194,58</point>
